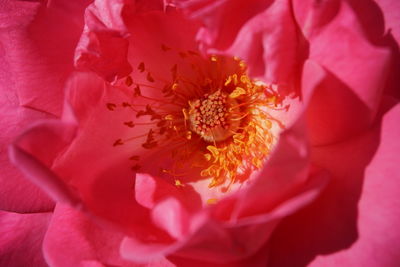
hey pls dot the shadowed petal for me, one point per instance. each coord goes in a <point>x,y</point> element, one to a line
<point>355,212</point>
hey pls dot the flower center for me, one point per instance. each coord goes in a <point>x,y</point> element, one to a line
<point>211,117</point>
<point>215,120</point>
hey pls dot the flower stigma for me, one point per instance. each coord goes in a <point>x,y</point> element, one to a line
<point>214,121</point>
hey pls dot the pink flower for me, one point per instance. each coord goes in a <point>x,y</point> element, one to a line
<point>202,133</point>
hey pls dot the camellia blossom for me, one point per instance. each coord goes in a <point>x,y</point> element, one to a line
<point>207,133</point>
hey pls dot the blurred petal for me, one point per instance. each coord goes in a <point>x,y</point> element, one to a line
<point>257,260</point>
<point>172,217</point>
<point>21,237</point>
<point>390,9</point>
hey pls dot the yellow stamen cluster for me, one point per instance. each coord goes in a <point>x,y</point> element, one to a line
<point>220,126</point>
<point>210,118</point>
<point>252,140</point>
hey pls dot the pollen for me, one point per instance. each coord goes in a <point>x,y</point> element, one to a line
<point>215,121</point>
<point>211,118</point>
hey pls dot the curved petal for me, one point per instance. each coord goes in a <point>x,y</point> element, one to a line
<point>171,216</point>
<point>21,238</point>
<point>27,153</point>
<point>263,33</point>
<point>358,64</point>
<point>355,212</point>
<point>335,111</point>
<point>104,164</point>
<point>103,47</point>
<point>16,193</point>
<point>38,53</point>
<point>378,207</point>
<point>390,9</point>
<point>257,260</point>
<point>36,168</point>
<point>107,186</point>
<point>85,242</point>
<point>200,238</point>
<point>222,19</point>
<point>150,190</point>
<point>280,191</point>
<point>35,58</point>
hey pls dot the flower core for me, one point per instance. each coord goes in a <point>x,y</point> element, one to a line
<point>214,119</point>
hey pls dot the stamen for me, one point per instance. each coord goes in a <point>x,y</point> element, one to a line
<point>215,121</point>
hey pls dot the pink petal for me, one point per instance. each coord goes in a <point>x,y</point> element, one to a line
<point>35,60</point>
<point>390,10</point>
<point>257,260</point>
<point>16,193</point>
<point>103,47</point>
<point>73,239</point>
<point>150,190</point>
<point>274,183</point>
<point>39,54</point>
<point>149,47</point>
<point>21,238</point>
<point>134,250</point>
<point>252,32</point>
<point>99,172</point>
<point>271,46</point>
<point>171,216</point>
<point>378,207</point>
<point>358,68</point>
<point>104,164</point>
<point>27,153</point>
<point>222,19</point>
<point>36,168</point>
<point>356,212</point>
<point>232,235</point>
<point>335,112</point>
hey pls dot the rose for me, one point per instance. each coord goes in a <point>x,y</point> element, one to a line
<point>60,219</point>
